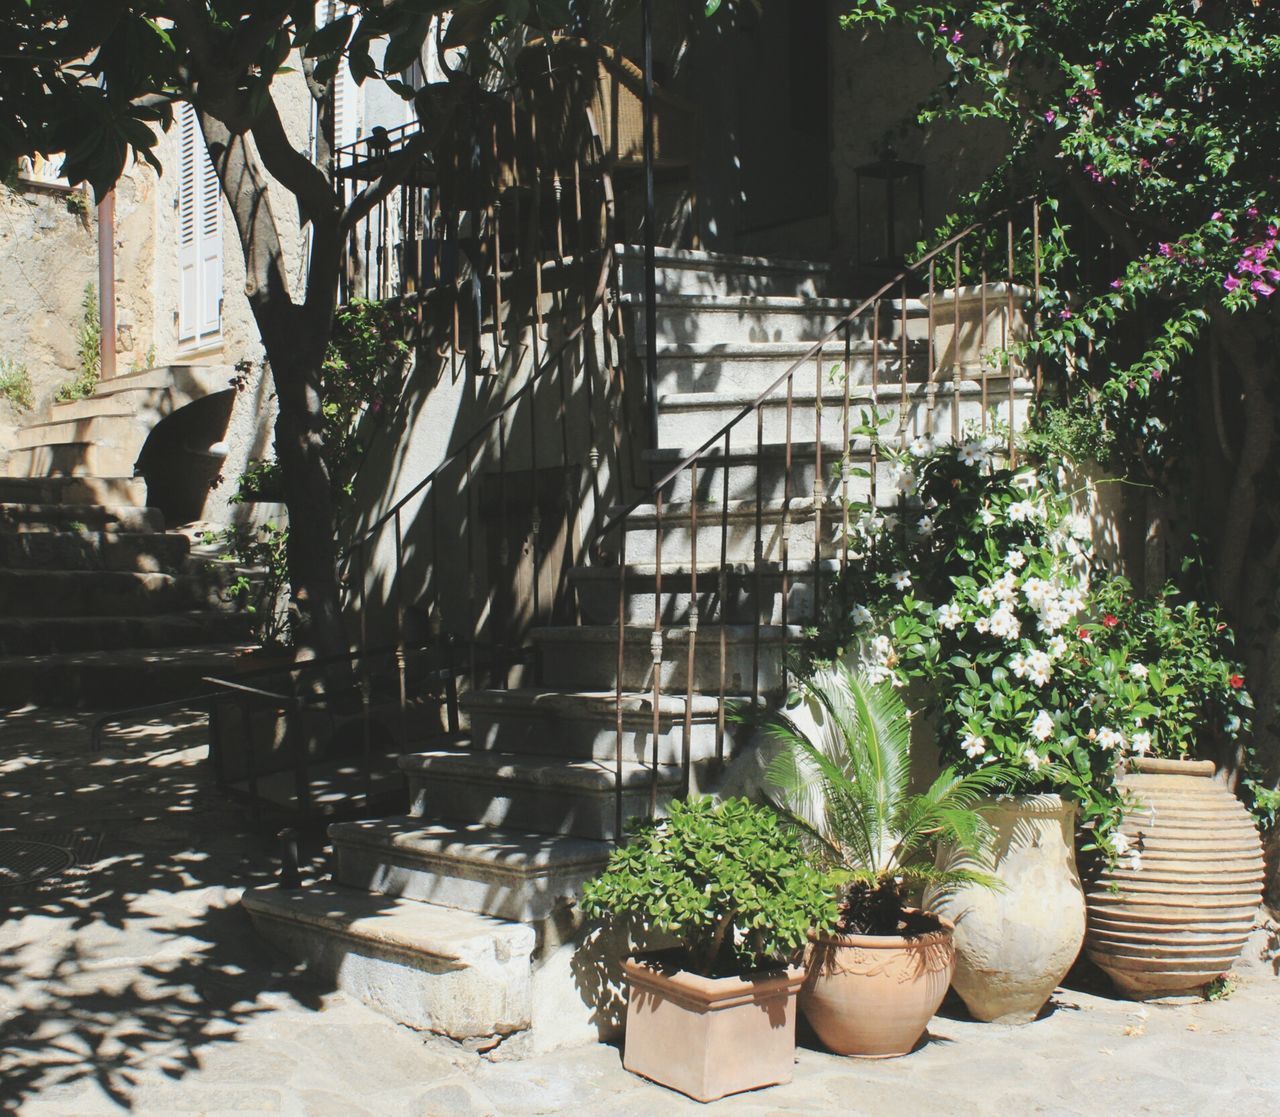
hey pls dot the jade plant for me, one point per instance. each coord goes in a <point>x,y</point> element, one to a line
<point>725,878</point>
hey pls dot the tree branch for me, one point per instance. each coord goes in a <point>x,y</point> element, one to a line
<point>249,39</point>
<point>310,184</point>
<point>396,170</point>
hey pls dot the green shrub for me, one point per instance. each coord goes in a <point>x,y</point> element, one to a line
<point>725,878</point>
<point>89,344</point>
<point>15,384</point>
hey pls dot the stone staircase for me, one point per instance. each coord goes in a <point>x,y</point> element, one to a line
<point>459,917</point>
<point>100,605</point>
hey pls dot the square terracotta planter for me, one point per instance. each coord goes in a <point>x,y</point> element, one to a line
<point>710,1036</point>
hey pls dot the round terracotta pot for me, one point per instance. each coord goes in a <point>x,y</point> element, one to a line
<point>1016,943</point>
<point>1175,917</point>
<point>872,995</point>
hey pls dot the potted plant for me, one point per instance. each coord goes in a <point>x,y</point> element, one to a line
<point>843,782</point>
<point>715,1015</point>
<point>1177,895</point>
<point>971,591</point>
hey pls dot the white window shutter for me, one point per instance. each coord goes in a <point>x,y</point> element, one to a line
<point>199,236</point>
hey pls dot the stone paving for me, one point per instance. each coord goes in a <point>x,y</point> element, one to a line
<point>132,983</point>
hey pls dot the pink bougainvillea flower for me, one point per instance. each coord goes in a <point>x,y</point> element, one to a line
<point>956,36</point>
<point>1231,283</point>
<point>1165,250</point>
<point>1252,211</point>
<point>1261,287</point>
<point>1050,116</point>
<point>1155,374</point>
<point>1115,285</point>
<point>1216,215</point>
<point>1064,314</point>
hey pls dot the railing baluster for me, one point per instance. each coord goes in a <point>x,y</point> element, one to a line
<point>617,696</point>
<point>655,651</point>
<point>902,371</point>
<point>1035,305</point>
<point>819,486</point>
<point>931,355</point>
<point>758,557</point>
<point>499,642</point>
<point>400,663</point>
<point>982,345</point>
<point>686,757</point>
<point>846,452</point>
<point>723,592</point>
<point>361,567</point>
<point>785,541</point>
<point>1013,449</point>
<point>955,349</point>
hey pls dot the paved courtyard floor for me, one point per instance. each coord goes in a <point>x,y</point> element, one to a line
<point>132,983</point>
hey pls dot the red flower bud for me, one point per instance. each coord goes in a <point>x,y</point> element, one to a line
<point>1236,681</point>
<point>1110,620</point>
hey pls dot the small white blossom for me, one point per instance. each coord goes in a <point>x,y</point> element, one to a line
<point>1140,742</point>
<point>1015,559</point>
<point>1109,739</point>
<point>925,525</point>
<point>1118,842</point>
<point>982,625</point>
<point>901,579</point>
<point>973,453</point>
<point>1078,526</point>
<point>1007,588</point>
<point>987,596</point>
<point>987,517</point>
<point>889,521</point>
<point>1018,665</point>
<point>1042,726</point>
<point>948,616</point>
<point>860,615</point>
<point>1058,647</point>
<point>1133,862</point>
<point>1005,625</point>
<point>921,446</point>
<point>1138,670</point>
<point>905,480</point>
<point>1021,510</point>
<point>1034,759</point>
<point>973,746</point>
<point>1039,667</point>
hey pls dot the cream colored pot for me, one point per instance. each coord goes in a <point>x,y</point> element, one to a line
<point>1014,944</point>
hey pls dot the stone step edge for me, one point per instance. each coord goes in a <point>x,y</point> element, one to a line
<point>386,922</point>
<point>593,777</point>
<point>888,396</point>
<point>708,570</point>
<point>466,845</point>
<point>608,634</point>
<point>550,703</point>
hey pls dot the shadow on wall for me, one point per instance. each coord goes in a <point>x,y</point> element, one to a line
<point>181,458</point>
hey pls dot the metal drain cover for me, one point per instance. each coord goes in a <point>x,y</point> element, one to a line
<point>23,861</point>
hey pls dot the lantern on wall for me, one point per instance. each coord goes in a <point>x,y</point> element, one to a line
<point>890,201</point>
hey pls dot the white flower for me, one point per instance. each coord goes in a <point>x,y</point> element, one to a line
<point>1138,670</point>
<point>860,615</point>
<point>973,453</point>
<point>949,616</point>
<point>1015,559</point>
<point>1034,759</point>
<point>987,517</point>
<point>1025,480</point>
<point>1140,742</point>
<point>1042,727</point>
<point>1079,527</point>
<point>973,746</point>
<point>901,579</point>
<point>889,521</point>
<point>882,647</point>
<point>1018,665</point>
<point>1039,667</point>
<point>1058,647</point>
<point>877,674</point>
<point>987,596</point>
<point>905,480</point>
<point>1021,510</point>
<point>1109,738</point>
<point>924,525</point>
<point>1005,625</point>
<point>1007,588</point>
<point>1134,861</point>
<point>1118,842</point>
<point>921,446</point>
<point>982,625</point>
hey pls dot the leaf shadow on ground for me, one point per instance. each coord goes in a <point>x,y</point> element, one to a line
<point>132,965</point>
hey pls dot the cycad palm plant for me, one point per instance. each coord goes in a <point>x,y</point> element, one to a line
<point>846,788</point>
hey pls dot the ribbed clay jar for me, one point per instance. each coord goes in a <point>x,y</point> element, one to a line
<point>1179,917</point>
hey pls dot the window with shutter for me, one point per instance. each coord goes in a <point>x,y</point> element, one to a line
<point>199,237</point>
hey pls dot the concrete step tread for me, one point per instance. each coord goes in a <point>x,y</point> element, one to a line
<point>772,350</point>
<point>889,393</point>
<point>449,934</point>
<point>676,512</point>
<point>510,851</point>
<point>121,519</point>
<point>539,771</point>
<point>87,490</point>
<point>696,257</point>
<point>104,578</point>
<point>706,567</point>
<point>608,634</point>
<point>585,703</point>
<point>667,456</point>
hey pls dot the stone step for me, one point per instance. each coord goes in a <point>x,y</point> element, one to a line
<point>49,635</point>
<point>100,593</point>
<point>742,602</point>
<point>334,787</point>
<point>582,724</point>
<point>185,382</point>
<point>689,418</point>
<point>769,469</point>
<point>500,873</point>
<point>117,518</point>
<point>538,794</point>
<point>105,429</point>
<point>73,459</point>
<point>113,679</point>
<point>147,553</point>
<point>682,271</point>
<point>728,533</point>
<point>733,318</point>
<point>108,490</point>
<point>749,368</point>
<point>429,967</point>
<point>587,656</point>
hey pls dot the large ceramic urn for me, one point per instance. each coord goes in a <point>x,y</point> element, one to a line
<point>1175,911</point>
<point>1015,943</point>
